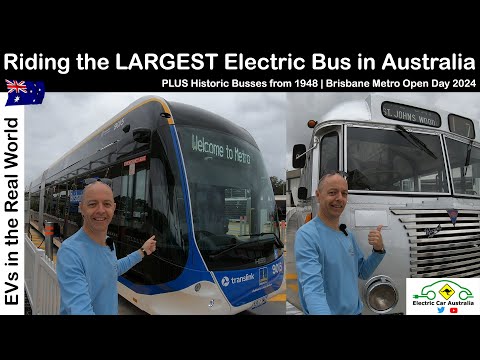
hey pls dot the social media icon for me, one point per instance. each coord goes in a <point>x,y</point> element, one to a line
<point>454,310</point>
<point>441,309</point>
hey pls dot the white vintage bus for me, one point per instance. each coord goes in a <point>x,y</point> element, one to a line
<point>411,167</point>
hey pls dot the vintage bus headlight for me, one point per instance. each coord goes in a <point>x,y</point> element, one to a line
<point>380,294</point>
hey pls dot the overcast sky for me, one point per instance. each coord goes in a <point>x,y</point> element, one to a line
<point>65,119</point>
<point>305,106</point>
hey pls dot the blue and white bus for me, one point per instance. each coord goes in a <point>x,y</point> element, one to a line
<point>197,182</point>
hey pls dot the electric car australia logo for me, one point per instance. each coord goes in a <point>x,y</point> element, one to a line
<point>428,296</point>
<point>225,281</point>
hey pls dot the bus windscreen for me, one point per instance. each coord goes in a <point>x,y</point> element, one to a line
<point>228,202</point>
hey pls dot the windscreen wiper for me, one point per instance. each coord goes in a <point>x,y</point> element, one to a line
<point>467,159</point>
<point>276,240</point>
<point>416,141</point>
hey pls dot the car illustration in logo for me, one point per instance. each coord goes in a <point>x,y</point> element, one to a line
<point>430,291</point>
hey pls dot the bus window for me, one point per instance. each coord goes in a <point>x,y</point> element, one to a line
<point>149,201</point>
<point>35,206</point>
<point>140,194</point>
<point>388,160</point>
<point>328,153</point>
<point>134,175</point>
<point>216,206</point>
<point>133,190</point>
<point>62,200</point>
<point>168,211</point>
<point>465,167</point>
<point>126,196</point>
<point>461,125</point>
<point>74,215</point>
<point>234,208</point>
<point>35,201</point>
<point>48,203</point>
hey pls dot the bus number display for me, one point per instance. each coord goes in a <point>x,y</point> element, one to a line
<point>410,114</point>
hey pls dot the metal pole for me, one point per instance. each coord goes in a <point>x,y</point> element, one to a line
<point>49,239</point>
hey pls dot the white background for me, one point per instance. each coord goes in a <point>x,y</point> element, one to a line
<point>16,111</point>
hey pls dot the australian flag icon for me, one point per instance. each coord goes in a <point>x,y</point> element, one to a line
<point>25,92</point>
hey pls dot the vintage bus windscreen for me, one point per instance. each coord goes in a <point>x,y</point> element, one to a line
<point>233,212</point>
<point>406,161</point>
<point>395,160</point>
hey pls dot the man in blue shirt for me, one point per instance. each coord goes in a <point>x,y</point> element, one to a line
<point>329,261</point>
<point>87,268</point>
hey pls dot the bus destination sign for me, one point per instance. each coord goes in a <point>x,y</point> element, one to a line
<point>410,114</point>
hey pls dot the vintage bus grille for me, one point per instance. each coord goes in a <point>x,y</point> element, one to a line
<point>438,248</point>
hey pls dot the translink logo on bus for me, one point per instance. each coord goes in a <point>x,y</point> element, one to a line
<point>428,296</point>
<point>276,269</point>
<point>235,280</point>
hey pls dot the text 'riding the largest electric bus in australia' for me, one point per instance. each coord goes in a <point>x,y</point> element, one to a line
<point>414,169</point>
<point>194,180</point>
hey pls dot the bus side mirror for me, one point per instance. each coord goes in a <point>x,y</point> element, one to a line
<point>299,149</point>
<point>302,193</point>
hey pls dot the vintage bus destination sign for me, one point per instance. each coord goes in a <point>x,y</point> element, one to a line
<point>410,114</point>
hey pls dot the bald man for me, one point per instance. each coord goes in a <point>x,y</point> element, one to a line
<point>87,268</point>
<point>329,261</point>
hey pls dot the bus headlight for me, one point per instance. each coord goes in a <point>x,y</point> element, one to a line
<point>380,294</point>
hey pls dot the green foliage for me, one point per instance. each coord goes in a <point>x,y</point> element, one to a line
<point>278,185</point>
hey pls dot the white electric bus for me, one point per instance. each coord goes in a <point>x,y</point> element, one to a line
<point>195,180</point>
<point>411,167</point>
